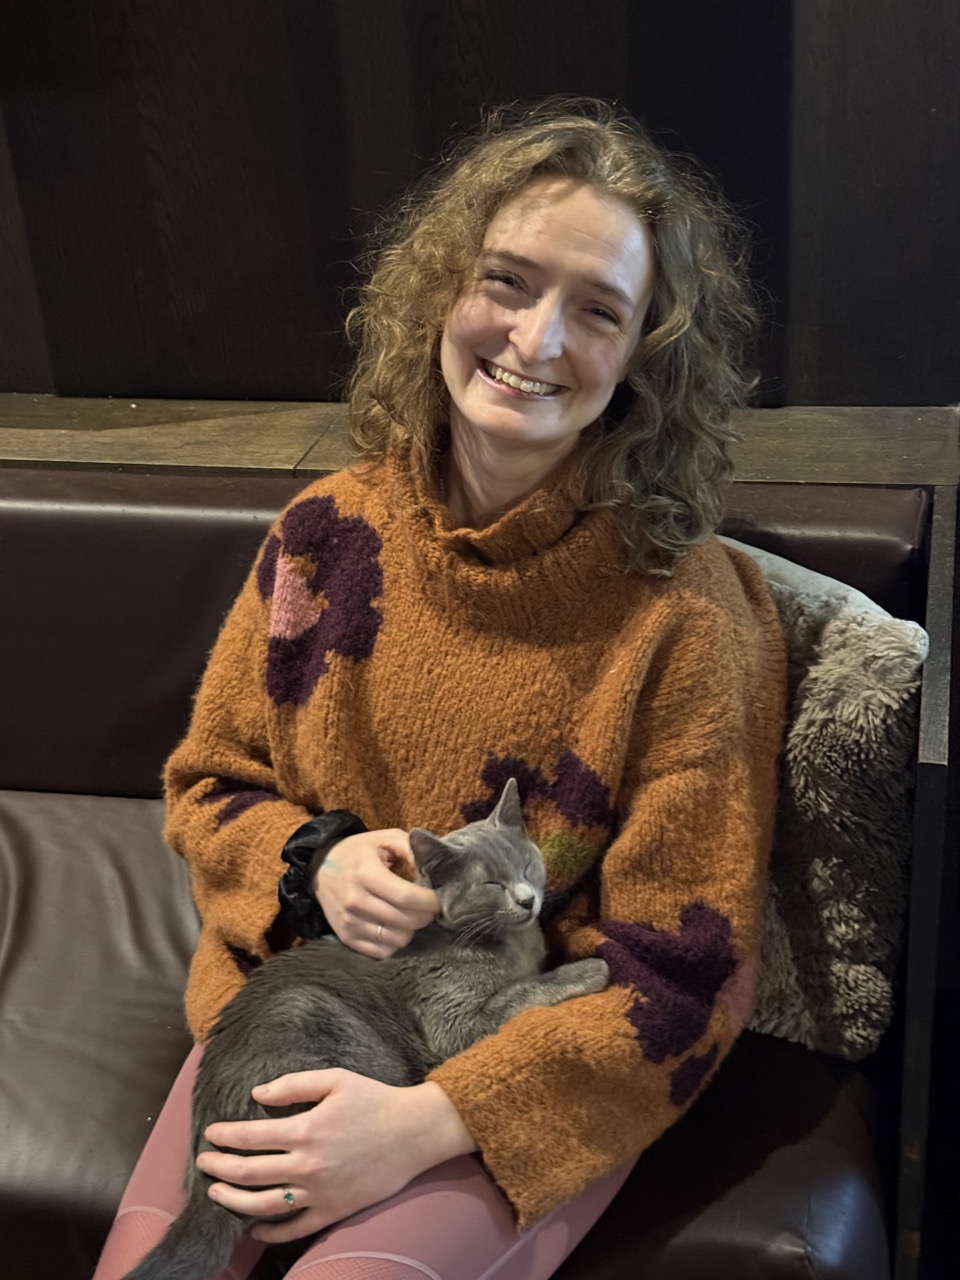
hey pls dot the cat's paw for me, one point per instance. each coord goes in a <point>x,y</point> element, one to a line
<point>599,973</point>
<point>590,975</point>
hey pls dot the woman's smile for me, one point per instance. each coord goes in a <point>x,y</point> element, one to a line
<point>516,382</point>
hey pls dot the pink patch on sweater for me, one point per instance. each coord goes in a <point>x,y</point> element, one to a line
<point>295,609</point>
<point>738,992</point>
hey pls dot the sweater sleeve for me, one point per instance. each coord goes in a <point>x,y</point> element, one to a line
<point>226,815</point>
<point>561,1096</point>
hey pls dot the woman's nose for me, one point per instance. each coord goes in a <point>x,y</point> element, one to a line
<point>538,330</point>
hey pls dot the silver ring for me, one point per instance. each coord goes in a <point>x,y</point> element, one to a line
<point>379,932</point>
<point>288,1196</point>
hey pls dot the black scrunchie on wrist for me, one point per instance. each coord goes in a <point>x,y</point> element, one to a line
<point>302,853</point>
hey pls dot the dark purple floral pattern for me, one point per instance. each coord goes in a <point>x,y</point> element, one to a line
<point>576,790</point>
<point>686,1080</point>
<point>267,568</point>
<point>238,796</point>
<point>322,576</point>
<point>677,976</point>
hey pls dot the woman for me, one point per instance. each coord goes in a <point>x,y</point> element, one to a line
<point>516,579</point>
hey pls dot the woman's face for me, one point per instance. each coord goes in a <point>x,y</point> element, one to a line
<point>541,334</point>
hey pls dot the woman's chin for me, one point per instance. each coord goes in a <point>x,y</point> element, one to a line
<point>524,423</point>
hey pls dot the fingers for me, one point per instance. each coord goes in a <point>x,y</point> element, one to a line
<point>253,1135</point>
<point>296,1086</point>
<point>415,901</point>
<point>266,1202</point>
<point>280,1202</point>
<point>370,908</point>
<point>370,928</point>
<point>408,900</point>
<point>376,943</point>
<point>362,909</point>
<point>245,1171</point>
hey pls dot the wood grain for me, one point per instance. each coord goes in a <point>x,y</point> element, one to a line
<point>800,445</point>
<point>226,436</point>
<point>24,357</point>
<point>187,186</point>
<point>848,445</point>
<point>873,307</point>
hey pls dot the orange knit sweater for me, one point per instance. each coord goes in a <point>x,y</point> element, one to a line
<point>380,660</point>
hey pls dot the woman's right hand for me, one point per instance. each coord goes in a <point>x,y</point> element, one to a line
<point>369,908</point>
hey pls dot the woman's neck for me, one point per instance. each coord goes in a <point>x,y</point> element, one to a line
<point>481,479</point>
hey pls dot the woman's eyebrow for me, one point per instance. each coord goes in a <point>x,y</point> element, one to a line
<point>518,260</point>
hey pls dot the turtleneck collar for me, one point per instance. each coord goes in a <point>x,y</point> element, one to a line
<point>541,553</point>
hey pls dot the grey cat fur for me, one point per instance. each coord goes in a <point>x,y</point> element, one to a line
<point>323,1005</point>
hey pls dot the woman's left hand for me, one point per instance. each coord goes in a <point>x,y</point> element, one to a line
<point>362,1142</point>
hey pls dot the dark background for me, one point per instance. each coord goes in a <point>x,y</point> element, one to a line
<point>184,183</point>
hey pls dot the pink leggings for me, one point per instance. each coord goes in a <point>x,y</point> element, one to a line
<point>451,1223</point>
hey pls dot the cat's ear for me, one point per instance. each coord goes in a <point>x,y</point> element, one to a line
<point>508,812</point>
<point>427,849</point>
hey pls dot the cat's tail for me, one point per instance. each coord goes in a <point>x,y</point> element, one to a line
<point>201,1240</point>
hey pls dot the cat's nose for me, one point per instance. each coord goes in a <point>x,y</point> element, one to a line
<point>526,903</point>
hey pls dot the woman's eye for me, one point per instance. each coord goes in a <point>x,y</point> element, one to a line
<point>503,277</point>
<point>604,314</point>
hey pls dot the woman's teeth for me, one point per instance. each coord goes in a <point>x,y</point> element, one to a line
<point>521,384</point>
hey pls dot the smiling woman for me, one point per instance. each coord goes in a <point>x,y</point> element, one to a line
<point>541,334</point>
<point>517,579</point>
<point>567,204</point>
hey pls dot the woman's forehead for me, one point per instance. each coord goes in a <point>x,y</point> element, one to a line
<point>557,220</point>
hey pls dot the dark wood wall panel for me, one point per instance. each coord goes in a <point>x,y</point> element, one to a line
<point>874,307</point>
<point>159,153</point>
<point>713,81</point>
<point>188,184</point>
<point>24,359</point>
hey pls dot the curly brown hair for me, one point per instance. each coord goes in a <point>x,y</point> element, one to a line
<point>658,456</point>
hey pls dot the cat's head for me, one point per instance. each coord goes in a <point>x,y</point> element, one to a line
<point>489,875</point>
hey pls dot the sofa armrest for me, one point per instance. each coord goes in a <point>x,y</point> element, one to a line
<point>932,914</point>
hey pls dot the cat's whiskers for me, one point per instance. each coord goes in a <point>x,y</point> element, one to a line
<point>473,929</point>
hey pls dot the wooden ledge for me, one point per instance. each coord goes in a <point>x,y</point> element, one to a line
<point>188,435</point>
<point>849,445</point>
<point>797,445</point>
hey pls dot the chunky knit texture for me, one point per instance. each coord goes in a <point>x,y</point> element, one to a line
<point>381,660</point>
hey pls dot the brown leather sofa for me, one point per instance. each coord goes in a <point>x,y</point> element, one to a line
<point>113,586</point>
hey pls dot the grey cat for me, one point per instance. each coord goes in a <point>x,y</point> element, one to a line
<point>323,1005</point>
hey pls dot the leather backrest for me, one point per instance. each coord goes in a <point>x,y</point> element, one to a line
<point>871,538</point>
<point>114,587</point>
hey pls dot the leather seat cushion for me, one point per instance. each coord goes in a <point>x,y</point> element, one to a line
<point>98,929</point>
<point>777,1173</point>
